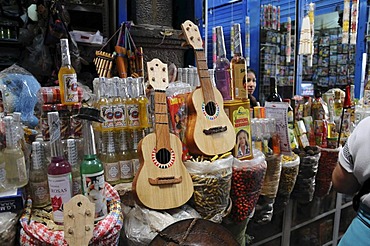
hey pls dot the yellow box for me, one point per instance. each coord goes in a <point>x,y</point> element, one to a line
<point>238,112</point>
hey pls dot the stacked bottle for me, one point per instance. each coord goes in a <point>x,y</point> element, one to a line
<point>125,108</point>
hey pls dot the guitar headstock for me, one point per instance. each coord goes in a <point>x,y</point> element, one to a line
<point>192,34</point>
<point>157,74</point>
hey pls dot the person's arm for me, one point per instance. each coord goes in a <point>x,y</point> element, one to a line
<point>343,181</point>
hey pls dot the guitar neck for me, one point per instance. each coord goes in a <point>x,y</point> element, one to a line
<point>203,74</point>
<point>162,129</point>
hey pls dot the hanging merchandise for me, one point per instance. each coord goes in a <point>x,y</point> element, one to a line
<point>311,15</point>
<point>306,38</point>
<point>345,26</point>
<point>129,58</point>
<point>214,47</point>
<point>288,50</point>
<point>354,22</point>
<point>248,39</point>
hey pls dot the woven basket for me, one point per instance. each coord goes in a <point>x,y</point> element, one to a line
<point>106,231</point>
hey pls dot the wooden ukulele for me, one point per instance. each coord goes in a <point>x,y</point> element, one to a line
<point>162,181</point>
<point>209,130</point>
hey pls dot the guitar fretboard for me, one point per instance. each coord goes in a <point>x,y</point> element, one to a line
<point>162,130</point>
<point>203,74</point>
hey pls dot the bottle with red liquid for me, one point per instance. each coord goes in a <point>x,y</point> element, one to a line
<point>59,171</point>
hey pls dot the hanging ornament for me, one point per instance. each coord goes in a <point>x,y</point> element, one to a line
<point>311,15</point>
<point>354,20</point>
<point>345,26</point>
<point>288,50</point>
<point>247,40</point>
<point>214,47</point>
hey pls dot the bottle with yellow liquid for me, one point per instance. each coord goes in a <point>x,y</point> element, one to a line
<point>143,103</point>
<point>110,160</point>
<point>238,65</point>
<point>67,77</point>
<point>338,104</point>
<point>132,105</point>
<point>119,104</point>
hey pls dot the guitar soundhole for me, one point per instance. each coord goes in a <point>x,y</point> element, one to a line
<point>163,156</point>
<point>211,108</point>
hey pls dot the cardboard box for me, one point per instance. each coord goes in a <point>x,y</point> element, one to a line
<point>13,200</point>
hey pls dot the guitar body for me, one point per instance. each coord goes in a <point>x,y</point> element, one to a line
<point>196,140</point>
<point>162,195</point>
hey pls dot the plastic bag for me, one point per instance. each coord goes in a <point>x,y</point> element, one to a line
<point>327,162</point>
<point>141,225</point>
<point>20,93</point>
<point>8,228</point>
<point>246,184</point>
<point>304,187</point>
<point>288,177</point>
<point>38,59</point>
<point>265,204</point>
<point>212,184</point>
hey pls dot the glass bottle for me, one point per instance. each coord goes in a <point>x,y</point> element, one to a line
<point>222,68</point>
<point>274,95</point>
<point>119,106</point>
<point>75,165</point>
<point>238,65</point>
<point>332,128</point>
<point>124,157</point>
<point>338,104</point>
<point>110,159</point>
<point>59,171</point>
<point>275,138</point>
<point>92,172</point>
<point>38,182</point>
<point>15,166</point>
<point>137,135</point>
<point>105,107</point>
<point>319,108</point>
<point>133,108</point>
<point>67,76</point>
<point>139,88</point>
<point>75,122</point>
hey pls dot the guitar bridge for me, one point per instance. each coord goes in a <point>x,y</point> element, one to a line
<point>215,130</point>
<point>165,180</point>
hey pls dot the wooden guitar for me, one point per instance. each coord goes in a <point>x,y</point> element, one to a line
<point>209,130</point>
<point>162,181</point>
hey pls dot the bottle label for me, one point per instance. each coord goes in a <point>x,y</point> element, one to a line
<point>119,115</point>
<point>107,114</point>
<point>22,171</point>
<point>40,192</point>
<point>135,165</point>
<point>126,169</point>
<point>112,172</point>
<point>238,72</point>
<point>70,88</point>
<point>2,173</point>
<point>133,115</point>
<point>60,188</point>
<point>94,189</point>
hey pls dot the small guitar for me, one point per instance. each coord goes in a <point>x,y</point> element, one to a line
<point>162,181</point>
<point>209,130</point>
